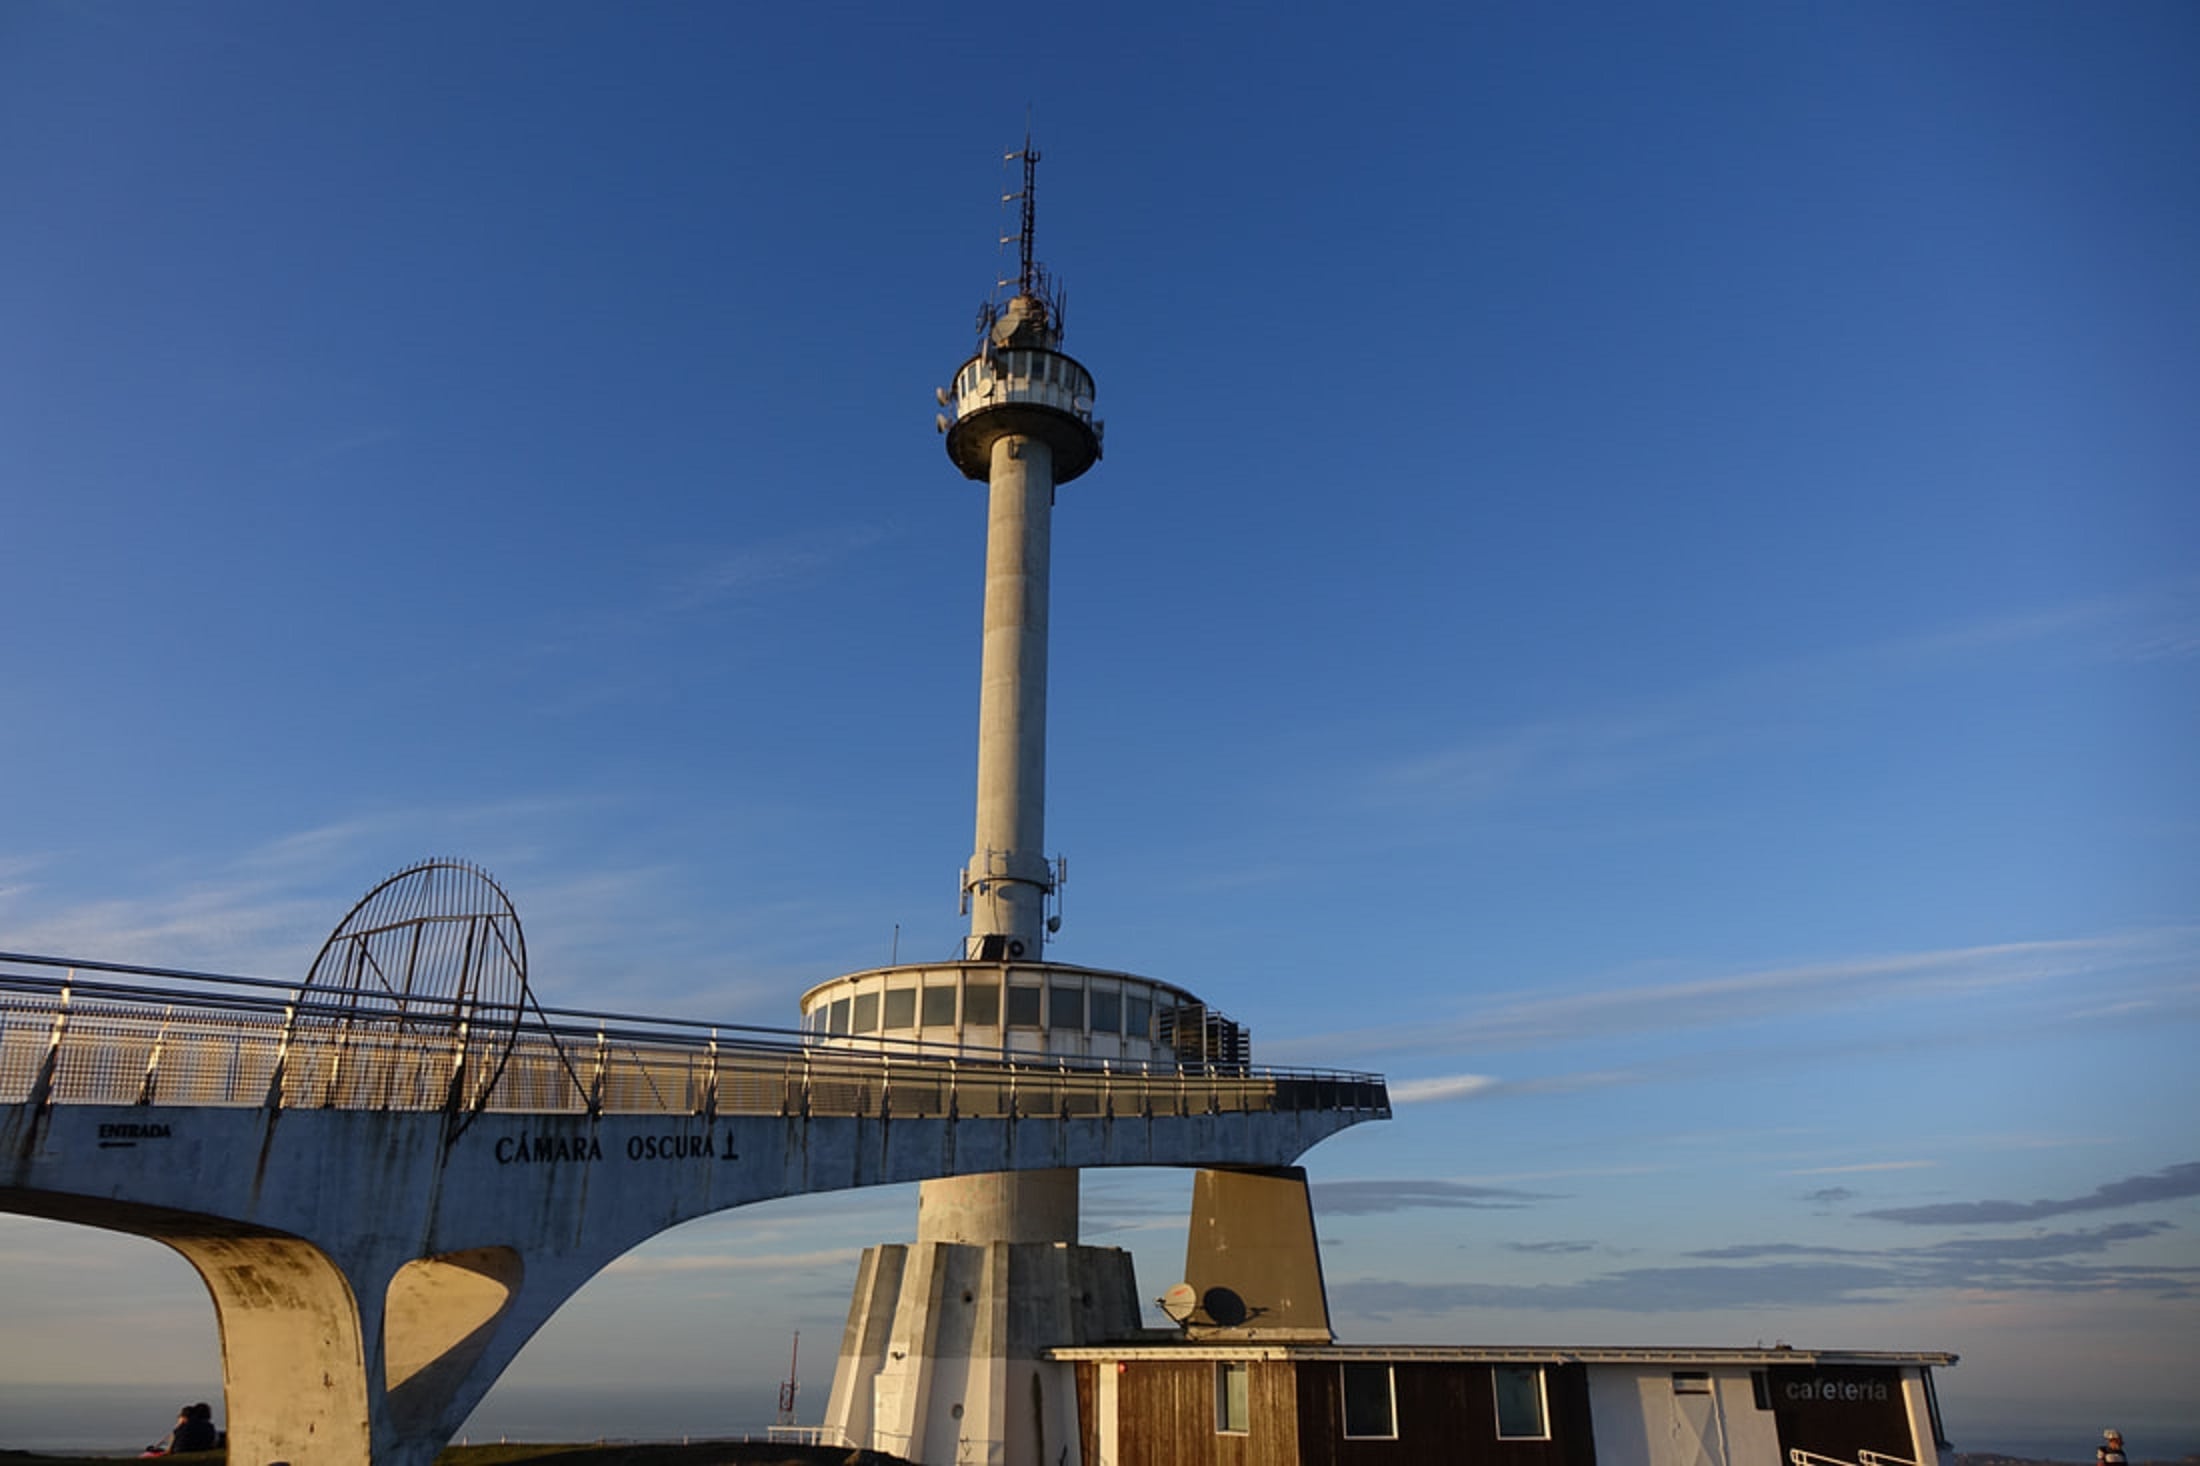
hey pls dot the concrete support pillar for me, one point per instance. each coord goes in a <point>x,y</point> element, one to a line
<point>328,1365</point>
<point>1001,1206</point>
<point>294,1353</point>
<point>349,1354</point>
<point>939,1361</point>
<point>1251,1257</point>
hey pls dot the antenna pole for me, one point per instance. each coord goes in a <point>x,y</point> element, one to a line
<point>787,1390</point>
<point>1026,272</point>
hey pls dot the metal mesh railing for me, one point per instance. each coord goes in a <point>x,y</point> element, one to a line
<point>86,1033</point>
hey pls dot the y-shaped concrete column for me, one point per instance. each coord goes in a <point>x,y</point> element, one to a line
<point>347,1361</point>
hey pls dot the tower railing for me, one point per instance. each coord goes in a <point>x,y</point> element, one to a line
<point>74,1032</point>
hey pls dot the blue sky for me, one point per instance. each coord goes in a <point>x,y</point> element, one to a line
<point>1644,584</point>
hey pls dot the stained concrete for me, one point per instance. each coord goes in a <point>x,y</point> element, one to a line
<point>373,1272</point>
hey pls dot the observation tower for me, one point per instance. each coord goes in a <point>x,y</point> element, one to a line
<point>941,1359</point>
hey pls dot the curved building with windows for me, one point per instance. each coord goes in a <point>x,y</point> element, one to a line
<point>1049,1008</point>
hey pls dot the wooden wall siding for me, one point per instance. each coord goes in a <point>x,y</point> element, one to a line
<point>1445,1412</point>
<point>1812,1415</point>
<point>1088,1410</point>
<point>1165,1416</point>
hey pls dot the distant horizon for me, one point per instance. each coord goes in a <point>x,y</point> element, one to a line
<point>55,1421</point>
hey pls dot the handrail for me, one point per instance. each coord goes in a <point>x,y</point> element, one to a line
<point>1797,1456</point>
<point>212,1039</point>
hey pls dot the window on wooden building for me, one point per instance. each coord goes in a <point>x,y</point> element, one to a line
<point>1370,1402</point>
<point>1520,1413</point>
<point>1233,1397</point>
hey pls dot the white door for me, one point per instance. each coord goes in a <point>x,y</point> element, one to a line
<point>1699,1436</point>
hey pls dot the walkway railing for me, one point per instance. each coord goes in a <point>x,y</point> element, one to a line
<point>74,1032</point>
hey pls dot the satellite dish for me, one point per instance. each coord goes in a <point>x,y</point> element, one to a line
<point>941,393</point>
<point>939,421</point>
<point>1179,1303</point>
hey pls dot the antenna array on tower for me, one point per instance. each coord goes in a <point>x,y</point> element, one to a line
<point>1031,280</point>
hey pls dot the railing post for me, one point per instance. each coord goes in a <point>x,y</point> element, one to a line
<point>41,1093</point>
<point>275,1077</point>
<point>454,1094</point>
<point>710,1082</point>
<point>152,1060</point>
<point>595,1081</point>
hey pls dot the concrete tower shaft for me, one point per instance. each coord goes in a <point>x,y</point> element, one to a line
<point>1023,424</point>
<point>1009,877</point>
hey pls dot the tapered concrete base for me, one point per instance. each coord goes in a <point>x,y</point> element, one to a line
<point>939,1362</point>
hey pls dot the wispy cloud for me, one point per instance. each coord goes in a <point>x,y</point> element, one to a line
<point>1642,1007</point>
<point>745,569</point>
<point>1557,757</point>
<point>1633,1290</point>
<point>2172,1184</point>
<point>1443,1087</point>
<point>634,1265</point>
<point>1374,1198</point>
<point>1862,1166</point>
<point>1789,1275</point>
<point>2154,623</point>
<point>1553,757</point>
<point>265,910</point>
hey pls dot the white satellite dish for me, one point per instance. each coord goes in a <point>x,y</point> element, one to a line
<point>1179,1303</point>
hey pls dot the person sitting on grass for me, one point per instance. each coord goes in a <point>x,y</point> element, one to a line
<point>194,1432</point>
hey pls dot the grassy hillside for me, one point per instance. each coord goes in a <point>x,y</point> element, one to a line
<point>700,1453</point>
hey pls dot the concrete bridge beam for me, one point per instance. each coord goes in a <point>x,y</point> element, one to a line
<point>374,1272</point>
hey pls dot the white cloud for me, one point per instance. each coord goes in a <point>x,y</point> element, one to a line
<point>1443,1087</point>
<point>1781,992</point>
<point>733,1262</point>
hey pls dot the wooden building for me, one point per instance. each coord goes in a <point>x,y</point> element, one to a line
<point>1208,1402</point>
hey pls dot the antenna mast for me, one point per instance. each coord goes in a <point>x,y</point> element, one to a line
<point>1033,286</point>
<point>788,1390</point>
<point>1028,271</point>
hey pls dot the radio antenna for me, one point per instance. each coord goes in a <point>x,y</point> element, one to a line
<point>1032,282</point>
<point>1028,273</point>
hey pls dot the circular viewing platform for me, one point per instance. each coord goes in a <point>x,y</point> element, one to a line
<point>1023,391</point>
<point>1023,1008</point>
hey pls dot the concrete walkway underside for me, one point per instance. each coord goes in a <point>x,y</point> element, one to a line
<point>374,1271</point>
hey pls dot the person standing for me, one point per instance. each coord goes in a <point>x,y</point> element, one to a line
<point>2110,1452</point>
